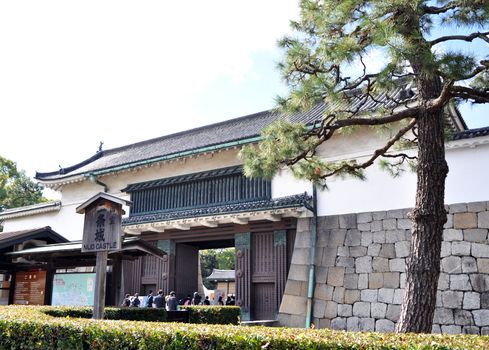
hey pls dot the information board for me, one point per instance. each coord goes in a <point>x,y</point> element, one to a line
<point>73,289</point>
<point>30,287</point>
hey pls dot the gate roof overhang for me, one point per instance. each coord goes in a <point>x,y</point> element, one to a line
<point>237,213</point>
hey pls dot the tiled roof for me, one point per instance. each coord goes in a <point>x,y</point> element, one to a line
<point>468,134</point>
<point>244,129</point>
<point>222,275</point>
<point>30,210</point>
<point>15,237</point>
<point>283,202</point>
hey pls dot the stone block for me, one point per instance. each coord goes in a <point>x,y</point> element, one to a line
<point>480,283</point>
<point>294,287</point>
<point>374,249</point>
<point>452,235</point>
<point>369,295</point>
<point>353,238</point>
<point>375,280</point>
<point>329,222</point>
<point>483,219</point>
<point>469,264</point>
<point>343,251</point>
<point>395,214</point>
<point>471,330</point>
<point>300,256</point>
<point>388,251</point>
<point>318,257</point>
<point>351,281</point>
<point>345,261</point>
<point>404,224</point>
<point>398,296</point>
<point>385,326</point>
<point>443,281</point>
<point>352,296</point>
<point>483,265</point>
<point>324,323</point>
<point>299,272</point>
<point>476,207</point>
<point>449,223</point>
<point>457,208</point>
<point>367,324</point>
<point>379,215</point>
<point>336,276</point>
<point>393,312</point>
<point>389,224</point>
<point>367,239</point>
<point>463,318</point>
<point>363,218</point>
<point>338,323</point>
<point>460,248</point>
<point>485,300</point>
<point>386,295</point>
<point>452,299</point>
<point>451,264</point>
<point>451,329</point>
<point>353,324</point>
<point>443,316</point>
<point>481,317</point>
<point>460,282</point>
<point>378,310</point>
<point>379,237</point>
<point>439,302</point>
<point>376,226</point>
<point>364,227</point>
<point>402,280</point>
<point>397,265</point>
<point>436,329</point>
<point>446,249</point>
<point>465,220</point>
<point>485,331</point>
<point>358,251</point>
<point>348,221</point>
<point>303,239</point>
<point>480,250</point>
<point>391,279</point>
<point>329,256</point>
<point>318,308</point>
<point>323,292</point>
<point>476,235</point>
<point>331,310</point>
<point>303,224</point>
<point>363,264</point>
<point>345,310</point>
<point>380,264</point>
<point>337,237</point>
<point>361,309</point>
<point>339,295</point>
<point>293,305</point>
<point>402,249</point>
<point>363,281</point>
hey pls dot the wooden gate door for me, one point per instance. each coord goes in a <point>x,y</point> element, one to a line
<point>263,267</point>
<point>186,270</point>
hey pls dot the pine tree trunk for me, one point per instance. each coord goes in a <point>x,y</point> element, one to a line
<point>428,217</point>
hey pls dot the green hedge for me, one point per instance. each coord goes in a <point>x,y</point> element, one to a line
<point>25,327</point>
<point>111,313</point>
<point>214,314</point>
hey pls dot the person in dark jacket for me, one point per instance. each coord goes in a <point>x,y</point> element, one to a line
<point>149,299</point>
<point>196,299</point>
<point>159,300</point>
<point>127,301</point>
<point>172,302</point>
<point>135,300</point>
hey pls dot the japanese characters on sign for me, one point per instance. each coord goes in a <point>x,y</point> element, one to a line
<point>102,227</point>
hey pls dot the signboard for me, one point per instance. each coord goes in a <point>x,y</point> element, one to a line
<point>102,229</point>
<point>30,287</point>
<point>73,289</point>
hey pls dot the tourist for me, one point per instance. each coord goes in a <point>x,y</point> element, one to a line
<point>206,301</point>
<point>127,301</point>
<point>196,299</point>
<point>172,303</point>
<point>135,302</point>
<point>149,299</point>
<point>219,301</point>
<point>158,300</point>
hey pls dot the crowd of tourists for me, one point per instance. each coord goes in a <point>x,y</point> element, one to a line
<point>170,301</point>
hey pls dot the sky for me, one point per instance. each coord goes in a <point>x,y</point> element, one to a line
<point>75,73</point>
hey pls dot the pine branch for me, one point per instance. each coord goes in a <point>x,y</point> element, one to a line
<point>468,38</point>
<point>433,10</point>
<point>350,168</point>
<point>467,93</point>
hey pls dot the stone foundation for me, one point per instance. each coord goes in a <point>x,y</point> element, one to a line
<point>360,272</point>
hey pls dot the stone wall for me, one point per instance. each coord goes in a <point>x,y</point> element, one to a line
<point>360,271</point>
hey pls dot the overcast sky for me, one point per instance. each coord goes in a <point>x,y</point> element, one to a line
<point>74,73</point>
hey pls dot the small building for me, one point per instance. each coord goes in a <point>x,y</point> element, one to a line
<point>225,280</point>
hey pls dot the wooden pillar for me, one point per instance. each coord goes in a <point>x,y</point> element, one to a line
<point>166,278</point>
<point>100,279</point>
<point>116,292</point>
<point>280,248</point>
<point>242,242</point>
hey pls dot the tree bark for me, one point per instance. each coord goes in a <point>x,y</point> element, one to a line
<point>428,216</point>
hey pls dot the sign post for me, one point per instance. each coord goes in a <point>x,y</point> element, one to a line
<point>101,234</point>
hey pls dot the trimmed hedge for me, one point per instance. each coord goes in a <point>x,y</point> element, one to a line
<point>25,327</point>
<point>214,314</point>
<point>197,314</point>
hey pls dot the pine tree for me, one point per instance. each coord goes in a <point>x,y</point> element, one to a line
<point>331,40</point>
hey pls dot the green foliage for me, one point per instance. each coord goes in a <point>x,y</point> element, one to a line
<point>16,188</point>
<point>110,313</point>
<point>215,259</point>
<point>213,314</point>
<point>24,327</point>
